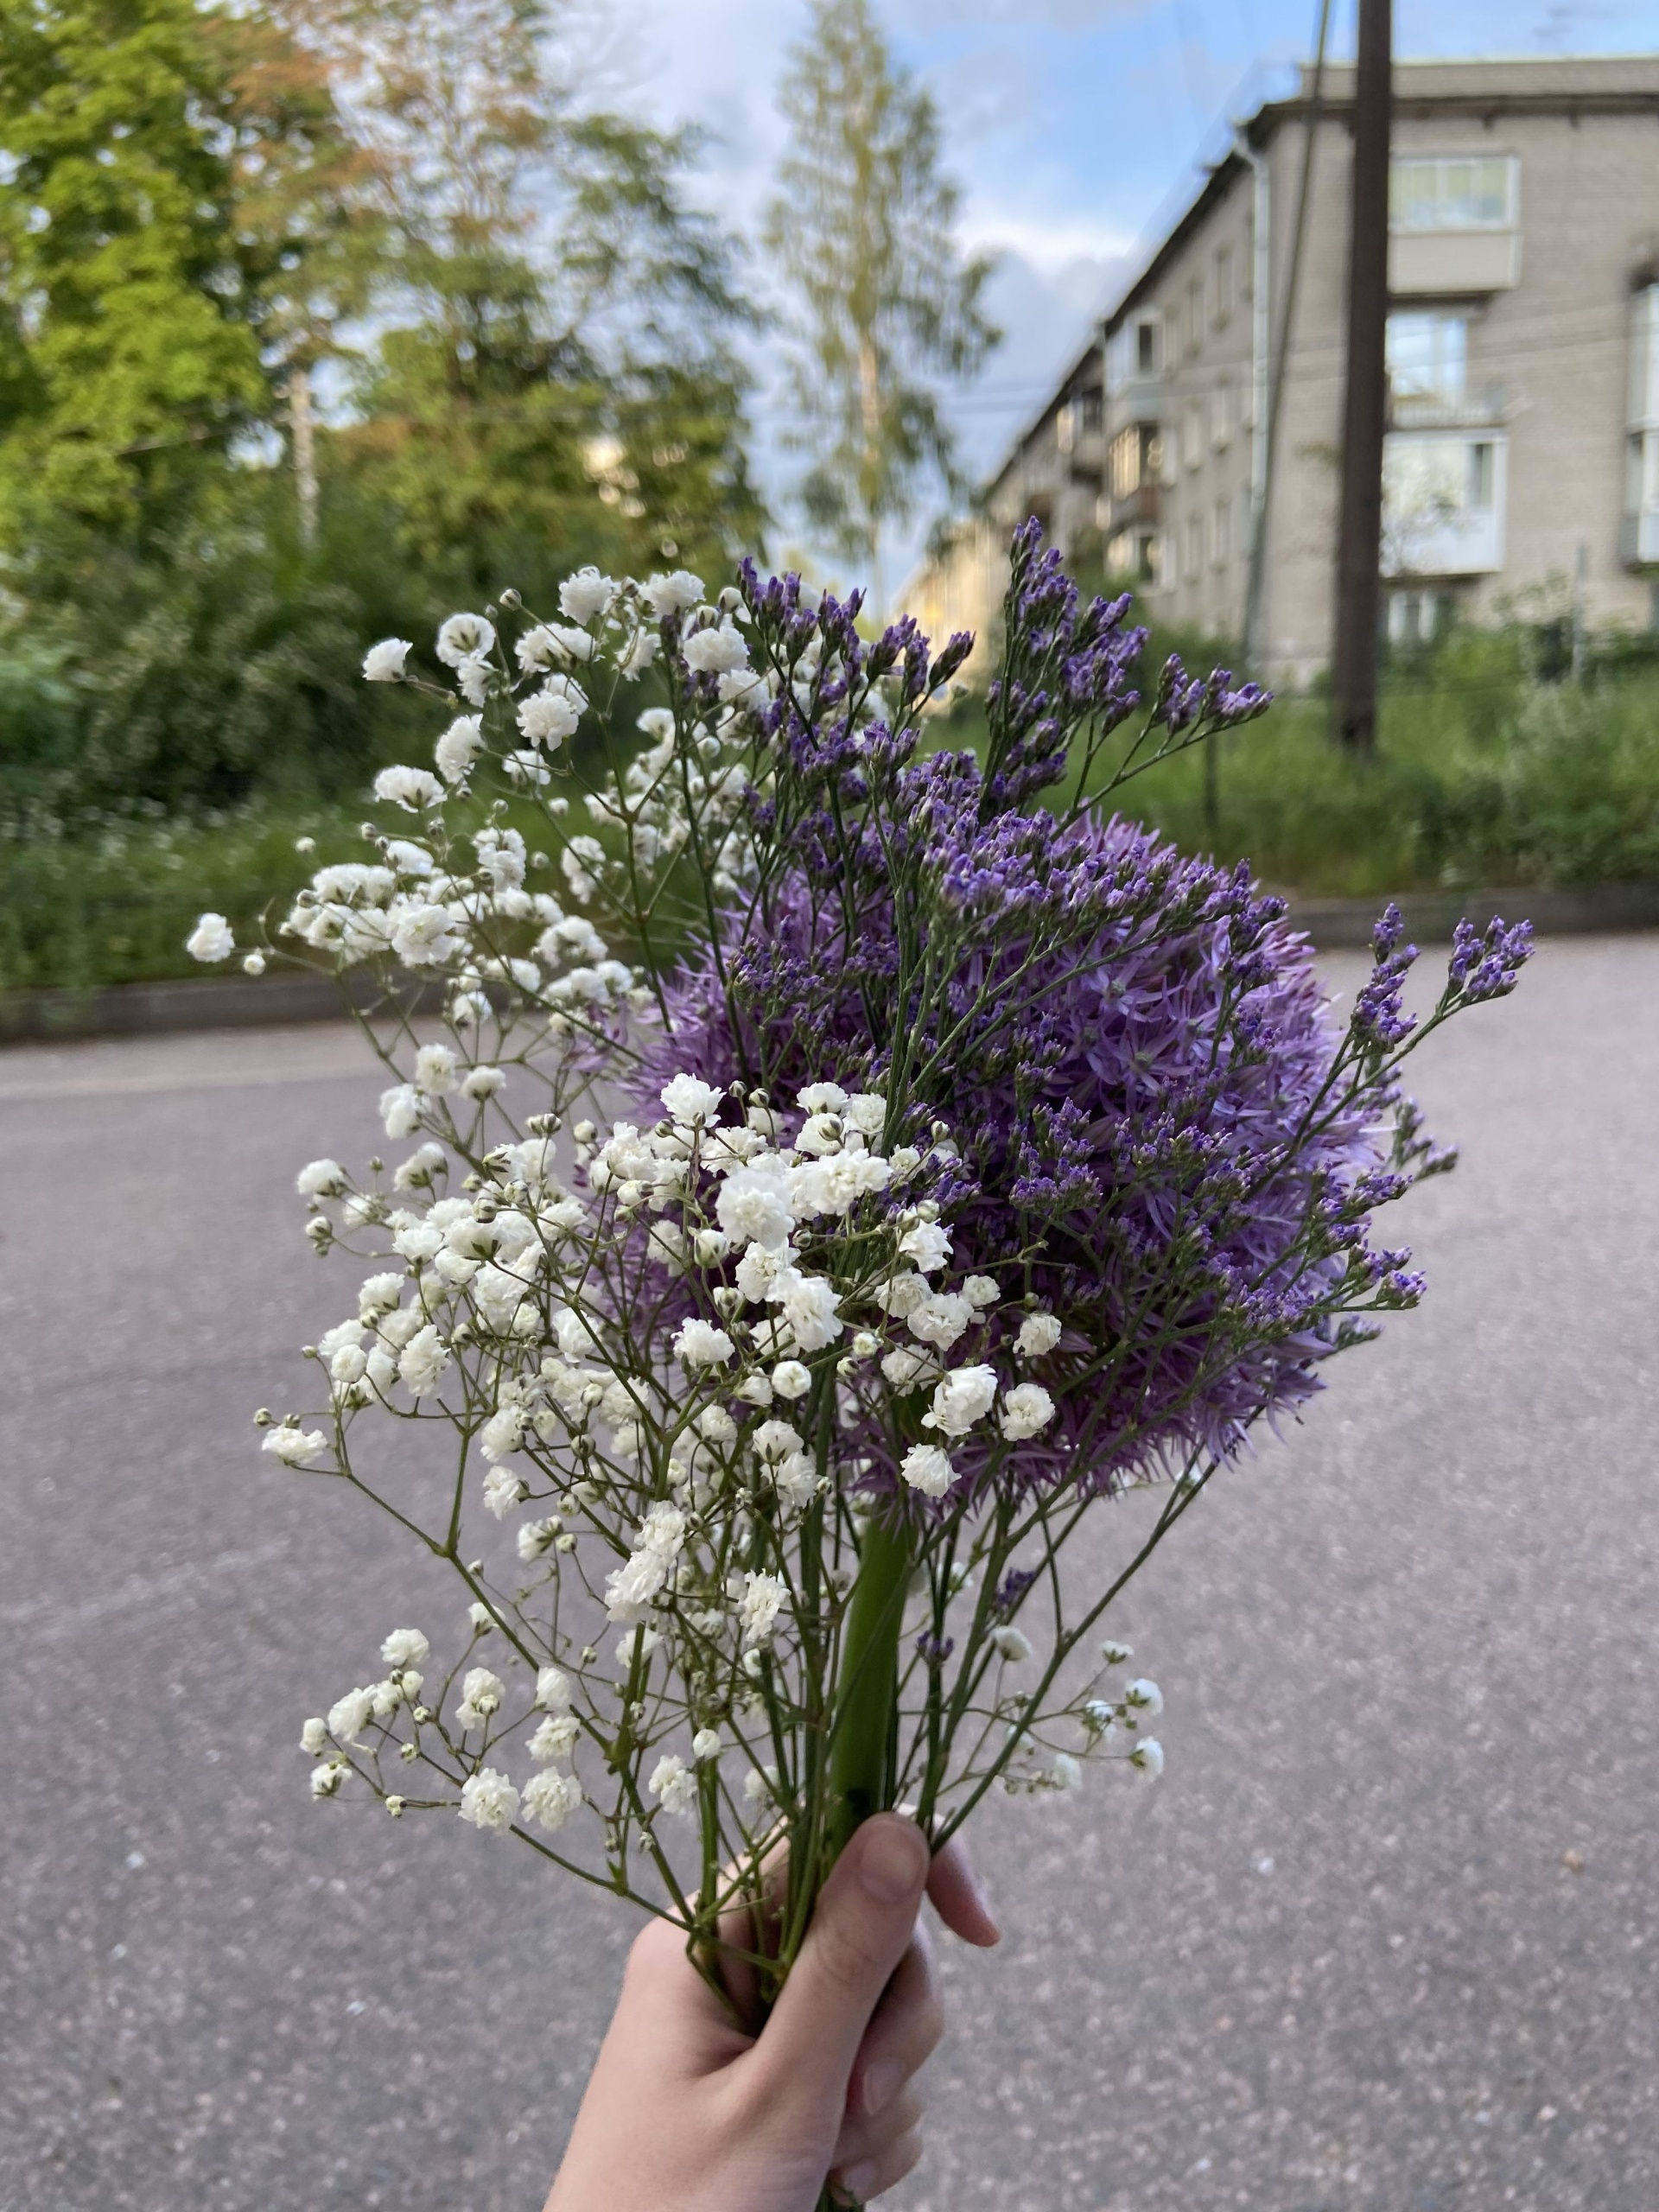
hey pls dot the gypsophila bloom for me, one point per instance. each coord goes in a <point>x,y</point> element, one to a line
<point>322,1179</point>
<point>963,1397</point>
<point>550,1798</point>
<point>411,788</point>
<point>489,1801</point>
<point>405,1647</point>
<point>383,664</point>
<point>675,1785</point>
<point>1148,1755</point>
<point>211,939</point>
<point>294,1446</point>
<point>314,1736</point>
<point>1145,1697</point>
<point>928,1469</point>
<point>482,1693</point>
<point>698,1344</point>
<point>1010,1645</point>
<point>1038,1334</point>
<point>1026,1409</point>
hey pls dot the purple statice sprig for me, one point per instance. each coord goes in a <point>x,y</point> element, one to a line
<point>1068,681</point>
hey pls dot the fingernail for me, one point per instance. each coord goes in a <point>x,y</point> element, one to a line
<point>882,2084</point>
<point>857,2182</point>
<point>893,1862</point>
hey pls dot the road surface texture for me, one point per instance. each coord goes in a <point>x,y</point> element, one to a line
<point>1385,1938</point>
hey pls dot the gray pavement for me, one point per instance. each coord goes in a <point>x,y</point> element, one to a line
<point>1386,1936</point>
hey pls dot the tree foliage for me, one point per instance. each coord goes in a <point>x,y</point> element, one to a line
<point>127,334</point>
<point>314,316</point>
<point>862,229</point>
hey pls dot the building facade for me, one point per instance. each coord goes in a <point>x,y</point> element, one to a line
<point>1521,463</point>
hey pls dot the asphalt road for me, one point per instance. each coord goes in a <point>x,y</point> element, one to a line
<point>1386,1936</point>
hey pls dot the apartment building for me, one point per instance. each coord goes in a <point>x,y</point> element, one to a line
<point>1521,463</point>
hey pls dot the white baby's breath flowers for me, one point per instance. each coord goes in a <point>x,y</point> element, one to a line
<point>963,1398</point>
<point>678,1327</point>
<point>351,1715</point>
<point>674,594</point>
<point>463,638</point>
<point>489,1801</point>
<point>927,1469</point>
<point>409,788</point>
<point>550,1798</point>
<point>211,940</point>
<point>1148,1755</point>
<point>1145,1697</point>
<point>458,747</point>
<point>294,1446</point>
<point>383,664</point>
<point>1038,1334</point>
<point>699,1343</point>
<point>675,1786</point>
<point>320,1178</point>
<point>482,1693</point>
<point>1026,1409</point>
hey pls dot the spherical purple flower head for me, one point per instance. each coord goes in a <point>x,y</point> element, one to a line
<point>1130,1054</point>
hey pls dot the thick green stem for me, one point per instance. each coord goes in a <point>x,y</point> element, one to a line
<point>861,1754</point>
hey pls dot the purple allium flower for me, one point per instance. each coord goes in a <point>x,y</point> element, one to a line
<point>1130,1052</point>
<point>1159,1137</point>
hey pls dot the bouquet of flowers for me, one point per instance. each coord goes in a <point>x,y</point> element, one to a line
<point>835,1167</point>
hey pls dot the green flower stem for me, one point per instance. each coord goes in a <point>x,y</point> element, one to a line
<point>861,1753</point>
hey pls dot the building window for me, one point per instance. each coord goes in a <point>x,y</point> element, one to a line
<point>1224,409</point>
<point>1194,316</point>
<point>1482,467</point>
<point>1134,554</point>
<point>1457,194</point>
<point>1223,285</point>
<point>1136,350</point>
<point>1134,460</point>
<point>1221,547</point>
<point>1415,618</point>
<point>1442,504</point>
<point>1193,437</point>
<point>1194,555</point>
<point>1091,411</point>
<point>1428,357</point>
<point>1641,524</point>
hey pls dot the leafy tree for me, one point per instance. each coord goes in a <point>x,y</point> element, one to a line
<point>127,344</point>
<point>560,383</point>
<point>862,229</point>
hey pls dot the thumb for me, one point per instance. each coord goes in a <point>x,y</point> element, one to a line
<point>862,1926</point>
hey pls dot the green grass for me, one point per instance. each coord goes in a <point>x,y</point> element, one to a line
<point>1482,776</point>
<point>112,902</point>
<point>1476,782</point>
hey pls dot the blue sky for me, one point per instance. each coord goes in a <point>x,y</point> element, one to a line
<point>1073,127</point>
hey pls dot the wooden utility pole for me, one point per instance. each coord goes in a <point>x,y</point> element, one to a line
<point>1359,538</point>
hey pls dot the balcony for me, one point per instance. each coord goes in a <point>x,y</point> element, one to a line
<point>1426,264</point>
<point>1444,494</point>
<point>1486,409</point>
<point>1138,506</point>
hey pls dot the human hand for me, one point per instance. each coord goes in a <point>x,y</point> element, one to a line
<point>684,2113</point>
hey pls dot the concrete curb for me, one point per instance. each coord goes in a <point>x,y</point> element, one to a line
<point>200,1002</point>
<point>244,1002</point>
<point>1340,924</point>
